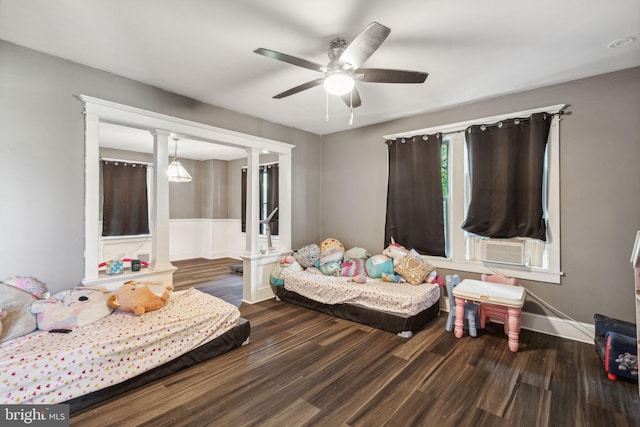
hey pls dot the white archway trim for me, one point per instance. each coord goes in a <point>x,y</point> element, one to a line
<point>160,125</point>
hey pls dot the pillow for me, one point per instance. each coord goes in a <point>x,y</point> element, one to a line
<point>356,253</point>
<point>332,255</point>
<point>308,255</point>
<point>18,319</point>
<point>414,270</point>
<point>330,243</point>
<point>353,267</point>
<point>29,284</point>
<point>3,314</point>
<point>71,308</point>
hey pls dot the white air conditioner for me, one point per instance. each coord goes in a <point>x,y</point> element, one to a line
<point>503,252</point>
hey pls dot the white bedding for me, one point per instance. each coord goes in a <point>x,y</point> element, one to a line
<point>45,368</point>
<point>397,298</point>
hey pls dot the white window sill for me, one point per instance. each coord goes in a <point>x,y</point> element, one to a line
<point>130,237</point>
<point>526,273</point>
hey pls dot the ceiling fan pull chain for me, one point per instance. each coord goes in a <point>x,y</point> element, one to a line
<point>351,108</point>
<point>326,118</point>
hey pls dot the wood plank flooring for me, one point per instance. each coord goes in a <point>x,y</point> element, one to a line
<point>304,368</point>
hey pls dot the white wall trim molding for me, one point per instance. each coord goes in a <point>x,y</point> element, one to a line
<point>203,238</point>
<point>555,326</point>
<point>563,328</point>
<point>160,126</point>
<point>188,238</point>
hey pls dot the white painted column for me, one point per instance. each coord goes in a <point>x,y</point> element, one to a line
<point>252,260</point>
<point>284,210</point>
<point>253,201</point>
<point>92,195</point>
<point>160,206</point>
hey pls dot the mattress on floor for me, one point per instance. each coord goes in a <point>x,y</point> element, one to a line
<point>46,368</point>
<point>401,299</point>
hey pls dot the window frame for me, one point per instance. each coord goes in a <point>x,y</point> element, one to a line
<point>457,196</point>
<point>263,193</point>
<point>149,184</point>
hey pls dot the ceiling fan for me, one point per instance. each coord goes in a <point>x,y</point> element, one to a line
<point>344,67</point>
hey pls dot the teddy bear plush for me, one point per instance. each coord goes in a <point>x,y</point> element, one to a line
<point>140,297</point>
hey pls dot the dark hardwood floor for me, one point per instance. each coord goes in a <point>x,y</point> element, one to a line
<point>305,368</point>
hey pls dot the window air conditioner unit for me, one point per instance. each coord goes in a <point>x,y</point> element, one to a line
<point>511,252</point>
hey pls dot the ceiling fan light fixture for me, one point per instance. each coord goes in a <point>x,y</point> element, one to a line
<point>338,83</point>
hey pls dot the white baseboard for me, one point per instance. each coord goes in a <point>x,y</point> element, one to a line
<point>562,328</point>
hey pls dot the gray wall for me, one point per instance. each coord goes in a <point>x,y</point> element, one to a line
<point>600,198</point>
<point>42,174</point>
<point>42,159</point>
<point>204,197</point>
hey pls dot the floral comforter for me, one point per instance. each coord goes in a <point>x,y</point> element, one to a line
<point>45,368</point>
<point>397,298</point>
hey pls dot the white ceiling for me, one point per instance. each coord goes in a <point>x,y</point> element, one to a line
<point>204,48</point>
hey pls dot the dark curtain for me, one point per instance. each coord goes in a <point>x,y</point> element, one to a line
<point>506,168</point>
<point>244,200</point>
<point>415,215</point>
<point>125,207</point>
<point>271,175</point>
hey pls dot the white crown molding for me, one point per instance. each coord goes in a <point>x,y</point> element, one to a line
<point>152,121</point>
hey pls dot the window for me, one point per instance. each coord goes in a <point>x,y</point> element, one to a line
<point>125,207</point>
<point>268,177</point>
<point>531,259</point>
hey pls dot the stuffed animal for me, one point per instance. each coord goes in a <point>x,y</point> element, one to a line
<point>2,316</point>
<point>392,278</point>
<point>140,297</point>
<point>18,319</point>
<point>377,265</point>
<point>284,267</point>
<point>329,269</point>
<point>353,267</point>
<point>308,255</point>
<point>356,253</point>
<point>29,284</point>
<point>330,243</point>
<point>360,278</point>
<point>334,254</point>
<point>71,308</point>
<point>395,251</point>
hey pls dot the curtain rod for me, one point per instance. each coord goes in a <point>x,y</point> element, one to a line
<point>111,159</point>
<point>263,164</point>
<point>456,127</point>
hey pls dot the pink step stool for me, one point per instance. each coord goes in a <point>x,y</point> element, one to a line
<point>499,298</point>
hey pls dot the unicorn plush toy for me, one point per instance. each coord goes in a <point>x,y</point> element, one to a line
<point>395,251</point>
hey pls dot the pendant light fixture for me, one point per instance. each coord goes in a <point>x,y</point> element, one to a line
<point>177,172</point>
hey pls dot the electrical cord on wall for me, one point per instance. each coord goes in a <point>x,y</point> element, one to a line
<point>574,322</point>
